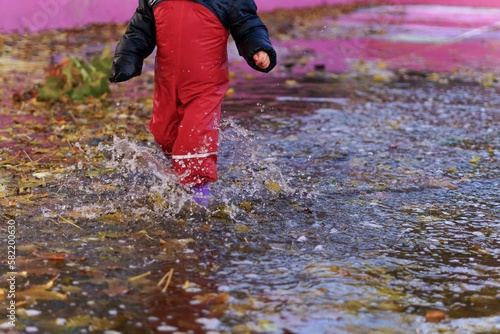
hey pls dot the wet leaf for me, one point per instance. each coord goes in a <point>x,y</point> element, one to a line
<point>382,65</point>
<point>266,326</point>
<point>53,256</point>
<point>246,206</point>
<point>102,324</point>
<point>241,329</point>
<point>291,83</point>
<point>94,173</point>
<point>31,183</point>
<point>3,190</point>
<point>112,218</point>
<point>212,298</point>
<point>224,212</point>
<point>435,316</point>
<point>28,248</point>
<point>379,78</point>
<point>484,300</point>
<point>158,200</point>
<point>475,160</point>
<point>273,186</point>
<point>78,321</point>
<point>441,183</point>
<point>489,80</point>
<point>434,77</point>
<point>240,228</point>
<point>42,175</point>
<point>480,250</point>
<point>23,274</point>
<point>39,293</point>
<point>390,305</point>
<point>230,92</point>
<point>176,245</point>
<point>145,233</point>
<point>116,291</point>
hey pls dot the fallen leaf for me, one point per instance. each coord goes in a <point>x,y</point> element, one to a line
<point>78,321</point>
<point>212,298</point>
<point>230,92</point>
<point>273,186</point>
<point>240,228</point>
<point>435,316</point>
<point>266,326</point>
<point>116,290</point>
<point>116,217</point>
<point>246,205</point>
<point>36,293</point>
<point>55,257</point>
<point>42,175</point>
<point>102,324</point>
<point>475,160</point>
<point>441,183</point>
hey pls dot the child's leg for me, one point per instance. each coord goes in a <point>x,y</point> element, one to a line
<point>192,62</point>
<point>166,118</point>
<point>195,150</point>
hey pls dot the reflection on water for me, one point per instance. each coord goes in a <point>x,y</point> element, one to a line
<point>402,220</point>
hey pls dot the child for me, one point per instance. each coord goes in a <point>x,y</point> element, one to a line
<point>191,74</point>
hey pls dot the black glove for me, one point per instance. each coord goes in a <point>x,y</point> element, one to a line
<point>125,68</point>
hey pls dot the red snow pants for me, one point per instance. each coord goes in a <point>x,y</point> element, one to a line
<point>191,79</point>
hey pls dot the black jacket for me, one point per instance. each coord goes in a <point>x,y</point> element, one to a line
<point>238,16</point>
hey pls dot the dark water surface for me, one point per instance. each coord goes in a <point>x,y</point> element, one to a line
<point>342,207</point>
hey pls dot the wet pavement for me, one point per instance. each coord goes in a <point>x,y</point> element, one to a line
<point>412,37</point>
<point>361,197</point>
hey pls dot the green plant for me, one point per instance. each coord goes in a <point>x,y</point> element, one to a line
<point>75,80</point>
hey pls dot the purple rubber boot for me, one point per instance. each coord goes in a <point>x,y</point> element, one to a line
<point>201,195</point>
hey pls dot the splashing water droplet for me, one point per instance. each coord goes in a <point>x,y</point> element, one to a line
<point>138,181</point>
<point>249,173</point>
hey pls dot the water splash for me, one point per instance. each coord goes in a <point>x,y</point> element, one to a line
<point>247,172</point>
<point>138,180</point>
<point>126,178</point>
<point>147,173</point>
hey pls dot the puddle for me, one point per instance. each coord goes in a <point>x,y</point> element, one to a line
<point>345,212</point>
<point>348,202</point>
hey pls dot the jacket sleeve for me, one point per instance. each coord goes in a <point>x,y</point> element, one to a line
<point>249,33</point>
<point>136,44</point>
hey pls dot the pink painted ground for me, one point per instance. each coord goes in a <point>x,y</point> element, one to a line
<point>415,37</point>
<point>34,15</point>
<point>477,3</point>
<point>435,15</point>
<point>440,36</point>
<point>428,37</point>
<point>340,55</point>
